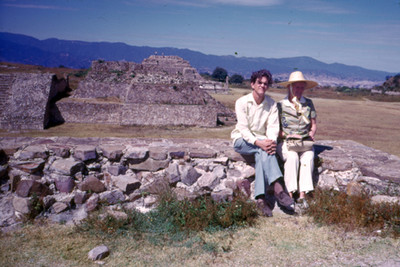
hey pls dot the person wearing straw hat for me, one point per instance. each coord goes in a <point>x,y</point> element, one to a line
<point>298,127</point>
<point>256,133</point>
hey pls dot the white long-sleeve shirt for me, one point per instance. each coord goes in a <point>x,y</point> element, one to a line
<point>256,121</point>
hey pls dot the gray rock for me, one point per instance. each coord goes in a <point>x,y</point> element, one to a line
<point>116,169</point>
<point>31,166</point>
<point>150,164</point>
<point>91,183</point>
<point>67,167</point>
<point>112,152</point>
<point>208,181</point>
<point>219,171</point>
<point>158,153</point>
<point>80,197</point>
<point>27,188</point>
<point>222,195</point>
<point>85,153</point>
<point>189,175</point>
<point>22,204</point>
<point>59,207</point>
<point>112,197</point>
<point>65,184</point>
<point>136,154</point>
<point>202,153</point>
<point>92,203</point>
<point>59,150</point>
<point>127,183</point>
<point>32,152</point>
<point>98,253</point>
<point>172,173</point>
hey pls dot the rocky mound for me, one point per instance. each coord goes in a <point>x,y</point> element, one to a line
<point>63,179</point>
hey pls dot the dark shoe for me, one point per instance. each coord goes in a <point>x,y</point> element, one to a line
<point>264,208</point>
<point>285,200</point>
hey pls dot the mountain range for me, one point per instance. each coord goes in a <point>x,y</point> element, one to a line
<point>18,48</point>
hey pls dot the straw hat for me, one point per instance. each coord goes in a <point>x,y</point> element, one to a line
<point>297,76</point>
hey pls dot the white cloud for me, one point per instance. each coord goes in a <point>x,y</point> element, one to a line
<point>30,6</point>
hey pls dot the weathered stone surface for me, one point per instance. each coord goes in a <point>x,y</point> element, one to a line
<point>136,155</point>
<point>189,175</point>
<point>65,184</point>
<point>112,152</point>
<point>112,197</point>
<point>98,253</point>
<point>32,152</point>
<point>385,199</point>
<point>116,169</point>
<point>208,181</point>
<point>67,166</point>
<point>59,150</point>
<point>27,188</point>
<point>150,165</point>
<point>80,197</point>
<point>127,183</point>
<point>173,173</point>
<point>85,153</point>
<point>22,204</point>
<point>60,207</point>
<point>222,195</point>
<point>158,153</point>
<point>92,203</point>
<point>202,153</point>
<point>91,183</point>
<point>32,166</point>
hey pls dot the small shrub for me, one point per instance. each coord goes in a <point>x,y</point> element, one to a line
<point>355,212</point>
<point>205,213</point>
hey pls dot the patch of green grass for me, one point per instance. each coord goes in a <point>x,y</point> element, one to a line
<point>355,212</point>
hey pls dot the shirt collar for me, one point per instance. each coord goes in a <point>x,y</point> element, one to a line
<point>287,102</point>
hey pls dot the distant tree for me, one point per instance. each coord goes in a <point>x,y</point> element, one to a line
<point>219,74</point>
<point>236,78</point>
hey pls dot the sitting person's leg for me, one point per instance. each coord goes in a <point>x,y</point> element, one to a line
<point>291,167</point>
<point>306,171</point>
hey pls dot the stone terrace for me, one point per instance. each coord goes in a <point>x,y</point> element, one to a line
<point>71,176</point>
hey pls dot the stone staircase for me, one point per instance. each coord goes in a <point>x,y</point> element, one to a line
<point>6,81</point>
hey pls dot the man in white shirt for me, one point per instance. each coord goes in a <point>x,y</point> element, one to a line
<point>255,134</point>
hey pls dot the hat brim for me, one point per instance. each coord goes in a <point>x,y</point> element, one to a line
<point>309,84</point>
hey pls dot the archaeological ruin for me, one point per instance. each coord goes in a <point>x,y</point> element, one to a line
<point>162,90</point>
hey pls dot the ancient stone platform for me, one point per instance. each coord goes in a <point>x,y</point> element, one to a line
<point>69,177</point>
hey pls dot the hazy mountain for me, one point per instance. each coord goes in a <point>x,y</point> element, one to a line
<point>77,54</point>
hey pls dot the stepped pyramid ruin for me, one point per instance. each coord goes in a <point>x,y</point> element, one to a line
<point>162,90</point>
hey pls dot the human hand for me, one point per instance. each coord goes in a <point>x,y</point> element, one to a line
<point>267,145</point>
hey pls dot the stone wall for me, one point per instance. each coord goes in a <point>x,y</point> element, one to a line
<point>162,90</point>
<point>26,99</point>
<point>70,177</point>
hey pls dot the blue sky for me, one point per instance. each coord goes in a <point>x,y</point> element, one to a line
<point>363,33</point>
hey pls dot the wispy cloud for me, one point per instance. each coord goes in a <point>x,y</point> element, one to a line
<point>319,6</point>
<point>249,2</point>
<point>208,3</point>
<point>32,6</point>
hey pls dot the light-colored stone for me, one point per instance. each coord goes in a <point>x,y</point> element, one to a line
<point>99,253</point>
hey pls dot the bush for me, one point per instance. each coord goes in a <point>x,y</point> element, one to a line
<point>355,212</point>
<point>174,217</point>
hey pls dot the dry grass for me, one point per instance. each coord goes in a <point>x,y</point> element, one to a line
<point>282,240</point>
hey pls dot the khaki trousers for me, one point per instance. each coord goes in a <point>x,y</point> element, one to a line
<point>298,169</point>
